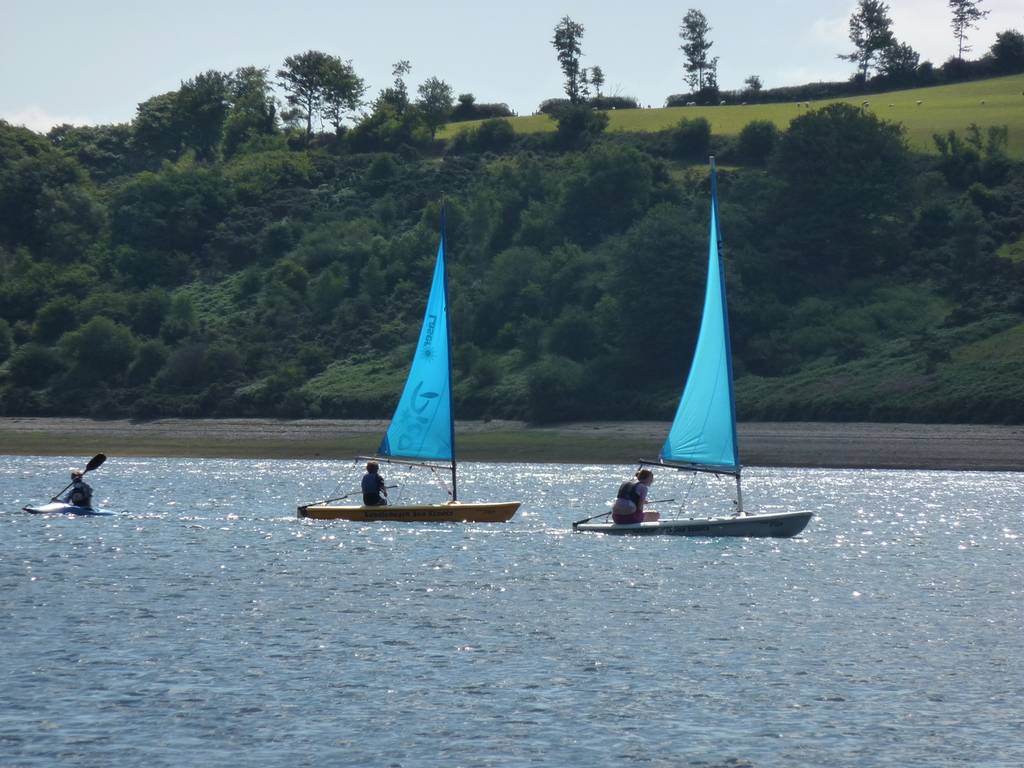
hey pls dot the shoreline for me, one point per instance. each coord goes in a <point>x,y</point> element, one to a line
<point>765,444</point>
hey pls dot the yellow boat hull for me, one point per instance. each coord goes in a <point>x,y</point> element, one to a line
<point>452,512</point>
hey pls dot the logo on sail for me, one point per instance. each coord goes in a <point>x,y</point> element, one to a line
<point>428,336</point>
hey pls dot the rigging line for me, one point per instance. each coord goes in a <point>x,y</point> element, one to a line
<point>337,488</point>
<point>447,490</point>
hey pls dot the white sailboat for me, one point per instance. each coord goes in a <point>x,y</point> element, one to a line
<point>422,431</point>
<point>703,434</point>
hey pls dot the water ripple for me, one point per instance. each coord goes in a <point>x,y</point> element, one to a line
<point>206,624</point>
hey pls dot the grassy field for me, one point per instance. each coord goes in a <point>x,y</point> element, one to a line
<point>999,101</point>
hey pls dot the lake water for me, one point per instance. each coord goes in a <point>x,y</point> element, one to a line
<point>206,625</point>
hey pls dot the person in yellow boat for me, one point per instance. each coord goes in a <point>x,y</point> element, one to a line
<point>629,501</point>
<point>374,492</point>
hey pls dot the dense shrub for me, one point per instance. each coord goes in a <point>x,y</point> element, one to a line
<point>468,109</point>
<point>578,125</point>
<point>691,139</point>
<point>6,340</point>
<point>757,140</point>
<point>490,136</point>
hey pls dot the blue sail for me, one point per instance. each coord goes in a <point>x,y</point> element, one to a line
<point>422,427</point>
<point>704,429</point>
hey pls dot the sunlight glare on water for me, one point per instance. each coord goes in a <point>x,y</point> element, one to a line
<point>206,624</point>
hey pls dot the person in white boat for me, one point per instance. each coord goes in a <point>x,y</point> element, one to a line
<point>80,493</point>
<point>374,492</point>
<point>629,501</point>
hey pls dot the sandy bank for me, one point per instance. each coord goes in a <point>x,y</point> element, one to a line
<point>907,446</point>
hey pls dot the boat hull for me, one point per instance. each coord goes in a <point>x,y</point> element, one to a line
<point>60,508</point>
<point>453,512</point>
<point>773,525</point>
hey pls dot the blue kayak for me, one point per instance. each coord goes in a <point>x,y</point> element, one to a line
<point>61,508</point>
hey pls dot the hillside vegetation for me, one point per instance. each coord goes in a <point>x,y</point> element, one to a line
<point>202,263</point>
<point>944,108</point>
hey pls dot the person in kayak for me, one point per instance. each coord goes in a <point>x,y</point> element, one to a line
<point>374,492</point>
<point>629,502</point>
<point>80,494</point>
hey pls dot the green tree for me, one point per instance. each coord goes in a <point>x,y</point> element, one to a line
<point>149,311</point>
<point>157,128</point>
<point>180,321</point>
<point>397,96</point>
<point>573,334</point>
<point>48,204</point>
<point>597,79</point>
<point>568,41</point>
<point>54,319</point>
<point>17,143</point>
<point>757,141</point>
<point>6,340</point>
<point>554,389</point>
<point>691,139</point>
<point>845,177</point>
<point>105,151</point>
<point>253,111</point>
<point>318,85</point>
<point>149,359</point>
<point>101,349</point>
<point>1008,51</point>
<point>966,15</point>
<point>870,33</point>
<point>185,370</point>
<point>610,191</point>
<point>694,34</point>
<point>327,292</point>
<point>673,242</point>
<point>202,104</point>
<point>899,63</point>
<point>578,125</point>
<point>33,365</point>
<point>387,130</point>
<point>175,210</point>
<point>465,109</point>
<point>303,78</point>
<point>343,92</point>
<point>435,103</point>
<point>495,135</point>
<point>754,84</point>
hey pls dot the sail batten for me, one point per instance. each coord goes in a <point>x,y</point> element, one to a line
<point>704,429</point>
<point>422,427</point>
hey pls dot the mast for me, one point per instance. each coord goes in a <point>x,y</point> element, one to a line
<point>448,333</point>
<point>725,325</point>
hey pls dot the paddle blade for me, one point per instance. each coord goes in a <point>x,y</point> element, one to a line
<point>95,462</point>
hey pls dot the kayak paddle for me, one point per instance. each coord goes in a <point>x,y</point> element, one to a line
<point>94,463</point>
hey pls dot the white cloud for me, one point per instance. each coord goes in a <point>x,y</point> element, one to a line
<point>925,25</point>
<point>37,119</point>
<point>834,32</point>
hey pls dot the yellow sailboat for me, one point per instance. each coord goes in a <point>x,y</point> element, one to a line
<point>422,431</point>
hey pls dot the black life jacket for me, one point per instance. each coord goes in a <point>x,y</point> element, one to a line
<point>628,491</point>
<point>80,496</point>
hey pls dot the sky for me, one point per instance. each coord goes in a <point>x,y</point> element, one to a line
<point>90,63</point>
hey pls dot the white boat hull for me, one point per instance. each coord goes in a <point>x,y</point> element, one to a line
<point>60,508</point>
<point>773,525</point>
<point>452,512</point>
